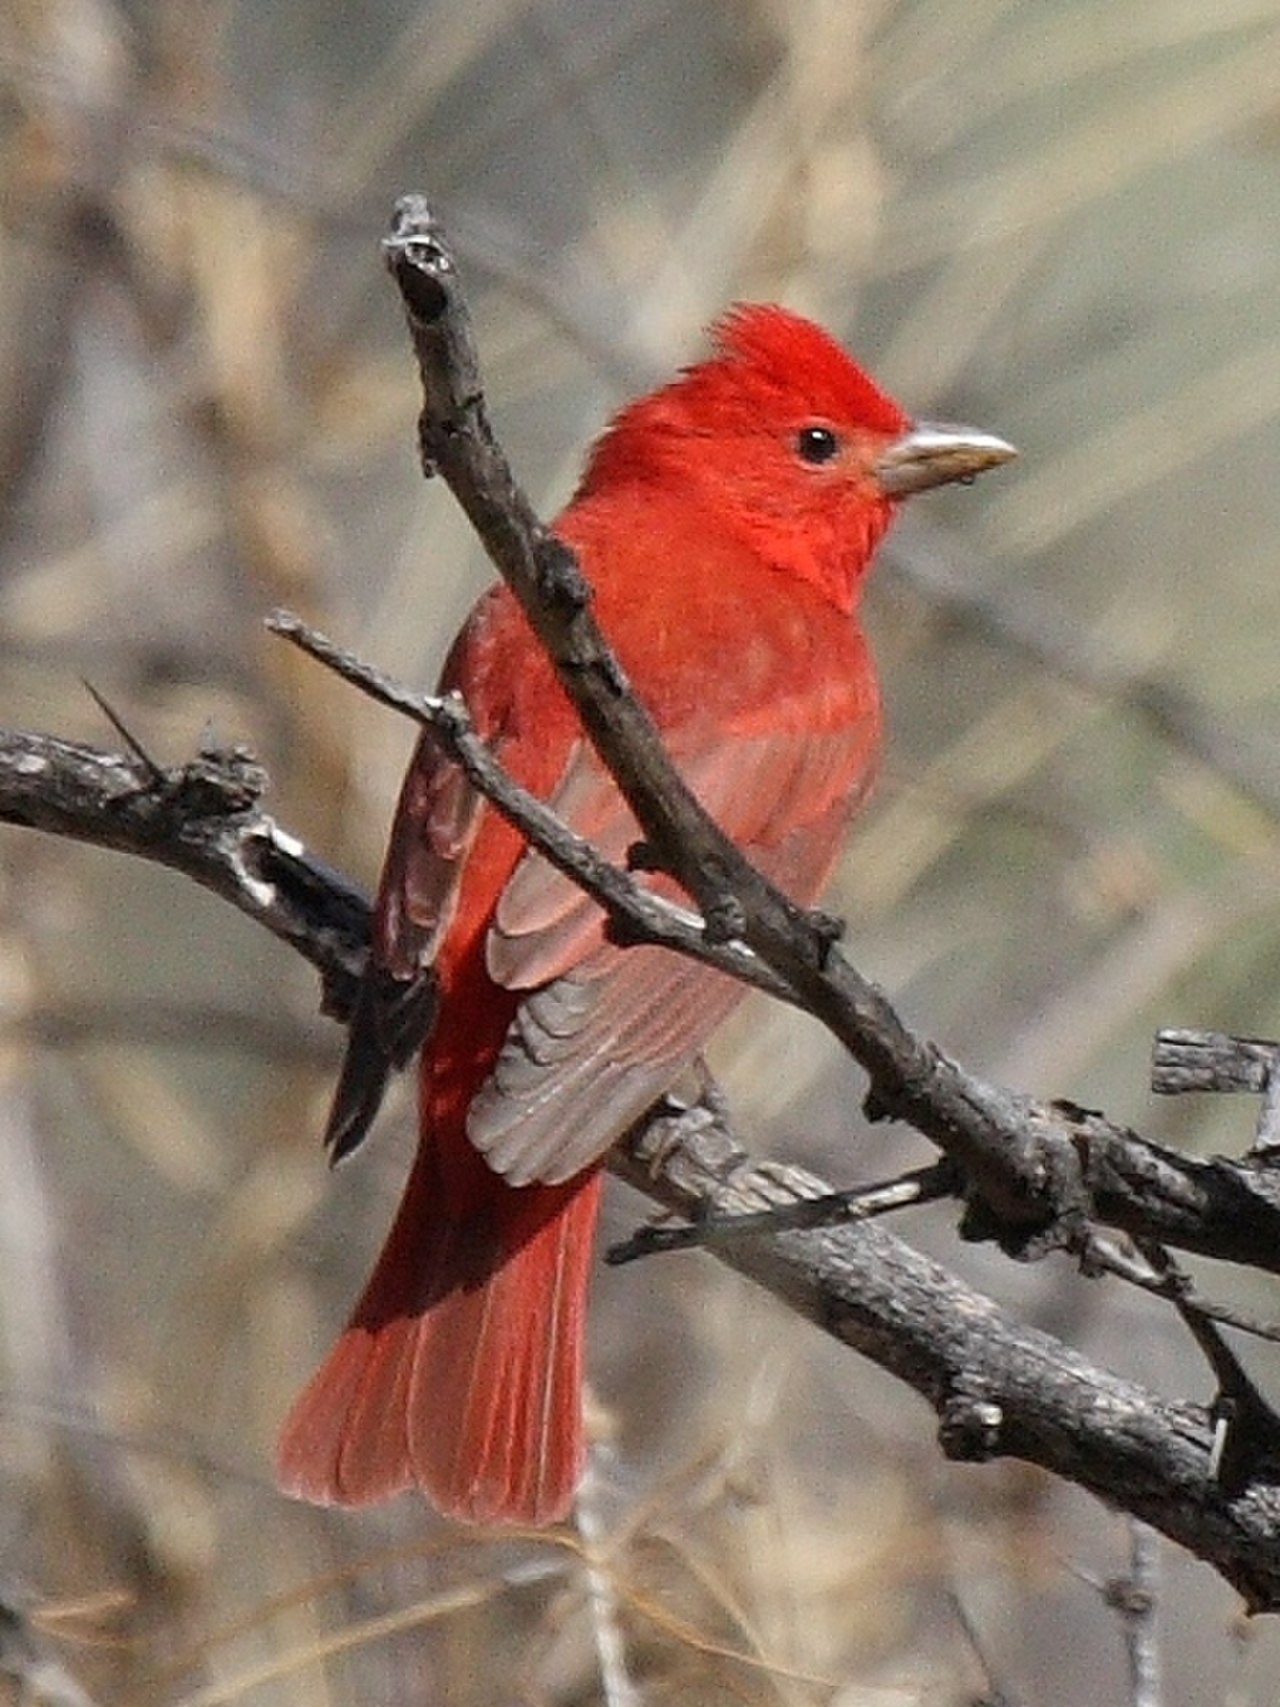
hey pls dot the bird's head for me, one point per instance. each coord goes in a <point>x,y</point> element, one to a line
<point>780,437</point>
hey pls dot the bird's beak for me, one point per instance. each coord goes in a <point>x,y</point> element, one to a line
<point>933,453</point>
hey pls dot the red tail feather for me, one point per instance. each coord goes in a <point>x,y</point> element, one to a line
<point>461,1369</point>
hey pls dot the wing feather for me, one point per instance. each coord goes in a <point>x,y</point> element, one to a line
<point>604,1031</point>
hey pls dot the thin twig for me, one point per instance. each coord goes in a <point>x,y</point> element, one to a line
<point>637,914</point>
<point>616,1686</point>
<point>1135,1598</point>
<point>1099,1255</point>
<point>832,1209</point>
<point>994,1693</point>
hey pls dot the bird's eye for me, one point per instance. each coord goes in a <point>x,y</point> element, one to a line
<point>817,444</point>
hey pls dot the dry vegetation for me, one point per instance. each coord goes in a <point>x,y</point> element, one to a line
<point>1055,219</point>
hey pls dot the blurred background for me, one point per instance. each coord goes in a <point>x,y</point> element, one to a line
<point>1058,219</point>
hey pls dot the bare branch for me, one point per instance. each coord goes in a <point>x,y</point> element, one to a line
<point>1187,1060</point>
<point>921,1185</point>
<point>203,819</point>
<point>999,1388</point>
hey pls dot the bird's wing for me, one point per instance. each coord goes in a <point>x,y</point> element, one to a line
<point>603,1030</point>
<point>396,1003</point>
<point>435,826</point>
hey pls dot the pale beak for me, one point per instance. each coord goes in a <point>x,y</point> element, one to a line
<point>932,453</point>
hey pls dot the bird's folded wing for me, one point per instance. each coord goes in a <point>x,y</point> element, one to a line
<point>604,1030</point>
<point>396,1003</point>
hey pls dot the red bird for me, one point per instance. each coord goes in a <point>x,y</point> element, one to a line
<point>726,524</point>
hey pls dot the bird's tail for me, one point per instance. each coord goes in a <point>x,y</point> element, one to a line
<point>460,1372</point>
